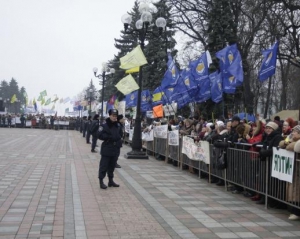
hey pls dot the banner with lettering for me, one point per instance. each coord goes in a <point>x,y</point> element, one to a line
<point>283,164</point>
<point>173,138</point>
<point>198,152</point>
<point>147,135</point>
<point>161,131</point>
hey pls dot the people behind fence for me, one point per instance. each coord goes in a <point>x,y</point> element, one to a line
<point>292,189</point>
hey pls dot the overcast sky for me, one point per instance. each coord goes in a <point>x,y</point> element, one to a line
<point>53,45</point>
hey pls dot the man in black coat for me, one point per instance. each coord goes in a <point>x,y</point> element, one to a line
<point>88,124</point>
<point>111,134</point>
<point>94,132</point>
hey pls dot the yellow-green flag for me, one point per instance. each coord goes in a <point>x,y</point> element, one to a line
<point>43,101</point>
<point>133,70</point>
<point>127,85</point>
<point>13,98</point>
<point>133,59</point>
<point>43,93</point>
<point>157,96</point>
<point>48,101</point>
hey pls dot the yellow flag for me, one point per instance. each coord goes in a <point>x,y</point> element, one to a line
<point>43,101</point>
<point>127,85</point>
<point>133,70</point>
<point>13,98</point>
<point>157,96</point>
<point>133,59</point>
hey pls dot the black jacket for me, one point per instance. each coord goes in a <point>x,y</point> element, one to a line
<point>111,134</point>
<point>271,140</point>
<point>94,126</point>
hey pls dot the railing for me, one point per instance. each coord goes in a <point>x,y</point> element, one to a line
<point>244,169</point>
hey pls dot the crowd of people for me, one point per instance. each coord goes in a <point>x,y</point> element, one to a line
<point>259,136</point>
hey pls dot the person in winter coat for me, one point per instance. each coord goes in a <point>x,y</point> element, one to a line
<point>272,139</point>
<point>111,133</point>
<point>87,125</point>
<point>257,136</point>
<point>94,132</point>
<point>292,189</point>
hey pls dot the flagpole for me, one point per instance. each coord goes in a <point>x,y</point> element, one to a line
<point>142,26</point>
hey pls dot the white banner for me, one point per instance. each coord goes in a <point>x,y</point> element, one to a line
<point>121,107</point>
<point>170,109</point>
<point>199,152</point>
<point>147,136</point>
<point>131,134</point>
<point>127,126</point>
<point>283,164</point>
<point>173,138</point>
<point>161,131</point>
<point>149,114</point>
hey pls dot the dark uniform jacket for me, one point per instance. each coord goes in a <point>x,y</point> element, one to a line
<point>111,134</point>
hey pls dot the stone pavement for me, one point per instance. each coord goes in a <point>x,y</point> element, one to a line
<point>49,189</point>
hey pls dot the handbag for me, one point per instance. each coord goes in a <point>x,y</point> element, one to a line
<point>221,161</point>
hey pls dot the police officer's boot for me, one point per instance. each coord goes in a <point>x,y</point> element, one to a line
<point>111,183</point>
<point>102,185</point>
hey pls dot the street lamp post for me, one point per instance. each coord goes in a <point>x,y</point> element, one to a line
<point>142,27</point>
<point>90,100</point>
<point>102,78</point>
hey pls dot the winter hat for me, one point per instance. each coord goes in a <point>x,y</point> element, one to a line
<point>236,118</point>
<point>297,128</point>
<point>220,123</point>
<point>272,125</point>
<point>209,124</point>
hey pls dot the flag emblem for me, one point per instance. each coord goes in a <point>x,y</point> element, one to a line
<point>144,98</point>
<point>269,58</point>
<point>187,81</point>
<point>231,79</point>
<point>132,96</point>
<point>173,72</point>
<point>200,67</point>
<point>230,57</point>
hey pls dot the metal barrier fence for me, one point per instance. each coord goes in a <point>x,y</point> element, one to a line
<point>244,169</point>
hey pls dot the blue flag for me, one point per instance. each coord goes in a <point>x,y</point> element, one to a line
<point>200,67</point>
<point>203,91</point>
<point>131,99</point>
<point>216,87</point>
<point>268,66</point>
<point>231,68</point>
<point>236,68</point>
<point>146,101</point>
<point>168,94</point>
<point>186,83</point>
<point>171,75</point>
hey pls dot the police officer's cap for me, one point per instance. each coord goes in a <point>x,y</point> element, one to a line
<point>113,112</point>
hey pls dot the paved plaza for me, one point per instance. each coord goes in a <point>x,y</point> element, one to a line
<point>49,189</point>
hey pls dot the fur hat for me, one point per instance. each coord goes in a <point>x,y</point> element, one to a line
<point>272,125</point>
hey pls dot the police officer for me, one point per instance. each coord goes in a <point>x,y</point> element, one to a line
<point>88,124</point>
<point>111,134</point>
<point>94,132</point>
